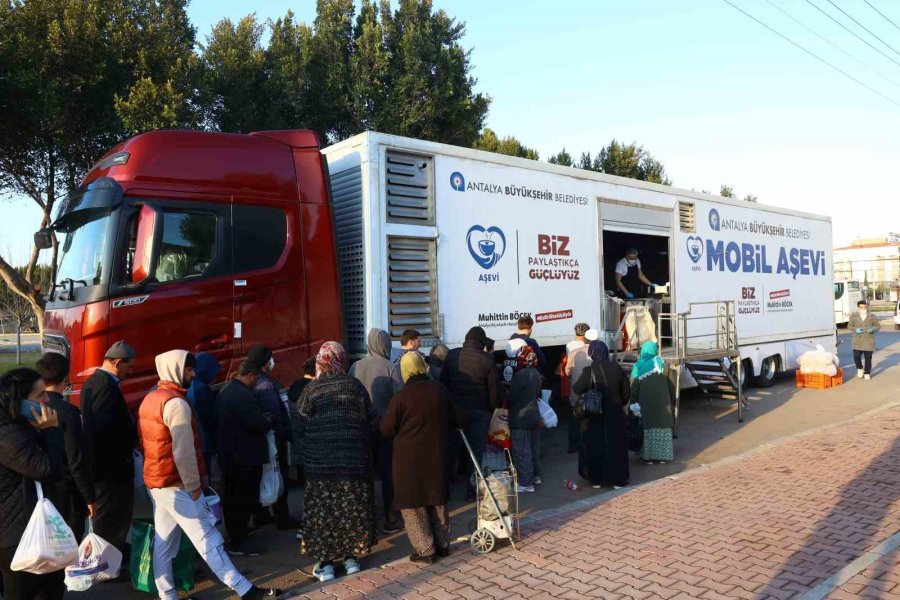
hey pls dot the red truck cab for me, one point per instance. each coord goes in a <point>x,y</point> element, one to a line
<point>208,242</point>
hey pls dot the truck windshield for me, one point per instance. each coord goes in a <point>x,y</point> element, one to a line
<point>83,246</point>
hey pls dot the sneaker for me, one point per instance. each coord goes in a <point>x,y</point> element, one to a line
<point>597,487</point>
<point>538,481</point>
<point>867,377</point>
<point>393,527</point>
<point>351,565</point>
<point>244,549</point>
<point>323,572</point>
<point>524,489</point>
<point>859,374</point>
<point>256,592</point>
<point>425,560</point>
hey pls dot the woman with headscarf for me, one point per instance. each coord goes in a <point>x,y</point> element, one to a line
<point>603,458</point>
<point>418,420</point>
<point>336,420</point>
<point>524,416</point>
<point>653,391</point>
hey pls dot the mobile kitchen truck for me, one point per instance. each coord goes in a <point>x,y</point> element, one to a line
<point>215,242</point>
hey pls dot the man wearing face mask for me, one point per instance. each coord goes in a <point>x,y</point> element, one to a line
<point>629,276</point>
<point>274,403</point>
<point>864,326</point>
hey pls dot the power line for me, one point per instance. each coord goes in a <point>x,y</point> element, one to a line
<point>829,42</point>
<point>817,57</point>
<point>894,50</point>
<point>859,37</point>
<point>882,14</point>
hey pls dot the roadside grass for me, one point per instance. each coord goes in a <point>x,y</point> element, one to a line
<point>8,360</point>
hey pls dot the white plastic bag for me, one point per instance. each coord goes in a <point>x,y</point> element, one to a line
<point>819,361</point>
<point>97,561</point>
<point>138,468</point>
<point>271,485</point>
<point>549,417</point>
<point>48,544</point>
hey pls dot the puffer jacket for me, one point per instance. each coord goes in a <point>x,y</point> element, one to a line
<point>471,375</point>
<point>26,456</point>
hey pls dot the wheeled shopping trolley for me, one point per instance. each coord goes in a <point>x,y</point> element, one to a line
<point>496,506</point>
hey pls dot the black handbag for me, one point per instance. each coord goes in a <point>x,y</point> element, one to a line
<point>590,403</point>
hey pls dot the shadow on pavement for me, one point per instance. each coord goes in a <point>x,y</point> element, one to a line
<point>849,529</point>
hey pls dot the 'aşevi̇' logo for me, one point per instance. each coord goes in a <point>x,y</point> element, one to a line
<point>487,246</point>
<point>694,245</point>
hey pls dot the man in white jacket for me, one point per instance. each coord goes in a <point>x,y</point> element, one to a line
<point>175,473</point>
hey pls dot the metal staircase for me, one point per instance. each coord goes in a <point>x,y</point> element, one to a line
<point>703,341</point>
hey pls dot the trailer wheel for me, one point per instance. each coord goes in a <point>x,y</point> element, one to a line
<point>768,372</point>
<point>482,541</point>
<point>746,368</point>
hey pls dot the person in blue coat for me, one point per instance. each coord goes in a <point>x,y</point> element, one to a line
<point>202,399</point>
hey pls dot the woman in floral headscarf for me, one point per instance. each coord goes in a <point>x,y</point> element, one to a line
<point>336,421</point>
<point>525,417</point>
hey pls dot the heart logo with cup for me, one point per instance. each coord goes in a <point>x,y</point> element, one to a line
<point>694,247</point>
<point>486,245</point>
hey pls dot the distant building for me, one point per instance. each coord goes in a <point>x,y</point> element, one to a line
<point>873,261</point>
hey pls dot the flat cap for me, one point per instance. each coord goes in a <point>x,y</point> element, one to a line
<point>120,351</point>
<point>581,328</point>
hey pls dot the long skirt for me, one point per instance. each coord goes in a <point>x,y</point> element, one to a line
<point>603,457</point>
<point>427,527</point>
<point>658,445</point>
<point>339,519</point>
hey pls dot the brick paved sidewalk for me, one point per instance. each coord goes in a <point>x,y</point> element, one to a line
<point>772,525</point>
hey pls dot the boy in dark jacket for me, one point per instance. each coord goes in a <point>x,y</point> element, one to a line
<point>73,494</point>
<point>525,417</point>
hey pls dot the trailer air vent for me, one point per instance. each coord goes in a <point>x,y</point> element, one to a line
<point>346,194</point>
<point>686,217</point>
<point>412,286</point>
<point>409,181</point>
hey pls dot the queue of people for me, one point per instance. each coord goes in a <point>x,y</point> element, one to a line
<point>394,414</point>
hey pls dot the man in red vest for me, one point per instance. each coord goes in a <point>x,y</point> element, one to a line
<point>175,473</point>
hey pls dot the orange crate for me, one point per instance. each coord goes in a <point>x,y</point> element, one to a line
<point>819,381</point>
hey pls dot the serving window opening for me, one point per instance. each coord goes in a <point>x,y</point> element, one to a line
<point>636,272</point>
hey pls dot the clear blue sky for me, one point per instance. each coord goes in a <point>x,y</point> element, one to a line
<point>713,95</point>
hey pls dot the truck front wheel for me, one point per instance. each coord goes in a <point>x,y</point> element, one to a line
<point>768,372</point>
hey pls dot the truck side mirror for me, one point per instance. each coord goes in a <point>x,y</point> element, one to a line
<point>43,239</point>
<point>143,250</point>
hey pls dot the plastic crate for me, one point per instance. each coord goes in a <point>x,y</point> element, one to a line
<point>819,381</point>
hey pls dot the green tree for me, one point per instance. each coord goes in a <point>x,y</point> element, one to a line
<point>287,59</point>
<point>562,158</point>
<point>235,76</point>
<point>76,77</point>
<point>750,198</point>
<point>618,159</point>
<point>330,99</point>
<point>726,191</point>
<point>508,145</point>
